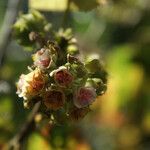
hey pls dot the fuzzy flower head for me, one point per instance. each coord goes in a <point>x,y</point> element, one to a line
<point>84,97</point>
<point>62,77</point>
<point>54,99</point>
<point>31,84</point>
<point>43,58</point>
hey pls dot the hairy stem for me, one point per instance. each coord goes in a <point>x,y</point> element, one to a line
<point>26,129</point>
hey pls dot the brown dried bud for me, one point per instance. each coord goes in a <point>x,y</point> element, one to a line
<point>31,85</point>
<point>77,114</point>
<point>54,99</point>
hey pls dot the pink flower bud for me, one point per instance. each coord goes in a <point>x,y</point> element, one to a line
<point>54,99</point>
<point>84,96</point>
<point>63,77</point>
<point>42,58</point>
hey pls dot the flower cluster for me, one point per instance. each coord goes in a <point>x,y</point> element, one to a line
<point>26,24</point>
<point>64,84</point>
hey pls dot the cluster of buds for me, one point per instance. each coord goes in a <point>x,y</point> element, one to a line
<point>26,23</point>
<point>65,86</point>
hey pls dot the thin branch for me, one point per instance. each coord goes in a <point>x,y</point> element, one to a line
<point>5,33</point>
<point>26,129</point>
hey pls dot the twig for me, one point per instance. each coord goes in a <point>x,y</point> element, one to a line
<point>28,126</point>
<point>5,33</point>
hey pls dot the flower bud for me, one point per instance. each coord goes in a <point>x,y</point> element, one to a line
<point>93,65</point>
<point>77,114</point>
<point>102,89</point>
<point>54,99</point>
<point>66,38</point>
<point>31,84</point>
<point>26,23</point>
<point>84,96</point>
<point>62,77</point>
<point>76,67</point>
<point>94,82</point>
<point>43,59</point>
<point>81,71</point>
<point>98,84</point>
<point>72,59</point>
<point>72,49</point>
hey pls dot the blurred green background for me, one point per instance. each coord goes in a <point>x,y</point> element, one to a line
<point>118,30</point>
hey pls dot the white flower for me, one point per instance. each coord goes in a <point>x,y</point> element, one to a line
<point>54,99</point>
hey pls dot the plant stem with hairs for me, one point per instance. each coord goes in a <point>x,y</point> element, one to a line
<point>26,129</point>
